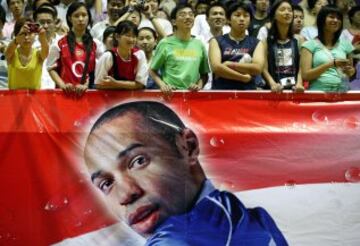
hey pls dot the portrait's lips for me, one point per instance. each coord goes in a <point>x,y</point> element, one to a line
<point>144,219</point>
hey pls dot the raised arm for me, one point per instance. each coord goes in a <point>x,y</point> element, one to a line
<point>44,51</point>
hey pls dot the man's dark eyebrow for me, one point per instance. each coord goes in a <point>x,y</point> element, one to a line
<point>95,175</point>
<point>128,149</point>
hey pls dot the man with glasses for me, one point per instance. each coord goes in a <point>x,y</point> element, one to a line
<point>180,60</point>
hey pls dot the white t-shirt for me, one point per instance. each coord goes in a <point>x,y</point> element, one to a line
<point>263,33</point>
<point>46,81</point>
<point>165,24</point>
<point>201,28</point>
<point>97,31</point>
<point>309,32</point>
<point>346,35</point>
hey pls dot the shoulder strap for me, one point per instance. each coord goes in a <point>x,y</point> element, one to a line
<point>86,67</point>
<point>115,65</point>
<point>296,55</point>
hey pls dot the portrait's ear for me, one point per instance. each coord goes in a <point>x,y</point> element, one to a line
<point>188,145</point>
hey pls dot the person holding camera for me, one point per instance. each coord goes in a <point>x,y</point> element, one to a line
<point>25,62</point>
<point>161,26</point>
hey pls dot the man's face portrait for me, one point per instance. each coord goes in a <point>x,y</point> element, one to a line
<point>143,177</point>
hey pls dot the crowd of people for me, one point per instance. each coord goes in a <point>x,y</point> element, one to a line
<point>180,45</point>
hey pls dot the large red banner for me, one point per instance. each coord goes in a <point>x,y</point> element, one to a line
<point>248,141</point>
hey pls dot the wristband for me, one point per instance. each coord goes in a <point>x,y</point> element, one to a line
<point>334,62</point>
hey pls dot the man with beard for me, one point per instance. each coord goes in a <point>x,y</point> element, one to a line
<point>145,162</point>
<point>113,8</point>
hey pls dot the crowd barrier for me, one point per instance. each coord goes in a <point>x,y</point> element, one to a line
<point>251,143</point>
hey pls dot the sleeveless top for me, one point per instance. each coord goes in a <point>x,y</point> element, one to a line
<point>234,51</point>
<point>25,77</point>
<point>283,62</point>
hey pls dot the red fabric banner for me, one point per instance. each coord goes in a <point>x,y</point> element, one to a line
<point>248,141</point>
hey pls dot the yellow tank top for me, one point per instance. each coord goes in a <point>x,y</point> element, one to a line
<point>25,77</point>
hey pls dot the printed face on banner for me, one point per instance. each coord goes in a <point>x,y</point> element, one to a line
<point>143,178</point>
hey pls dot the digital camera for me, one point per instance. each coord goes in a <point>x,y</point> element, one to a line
<point>287,82</point>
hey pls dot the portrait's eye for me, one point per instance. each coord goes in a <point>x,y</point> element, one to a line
<point>138,162</point>
<point>105,185</point>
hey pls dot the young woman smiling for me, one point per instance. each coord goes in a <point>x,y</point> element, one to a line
<point>123,67</point>
<point>326,61</point>
<point>281,70</point>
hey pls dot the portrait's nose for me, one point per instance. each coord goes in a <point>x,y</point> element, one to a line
<point>128,191</point>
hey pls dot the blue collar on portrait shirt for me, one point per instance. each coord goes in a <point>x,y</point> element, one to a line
<point>207,188</point>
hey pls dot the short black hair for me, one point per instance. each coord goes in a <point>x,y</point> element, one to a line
<point>201,2</point>
<point>154,33</point>
<point>45,8</point>
<point>159,118</point>
<point>311,3</point>
<point>298,8</point>
<point>8,2</point>
<point>107,32</point>
<point>238,5</point>
<point>352,11</point>
<point>2,15</point>
<point>178,8</point>
<point>123,1</point>
<point>126,26</point>
<point>213,5</point>
<point>321,18</point>
<point>20,23</point>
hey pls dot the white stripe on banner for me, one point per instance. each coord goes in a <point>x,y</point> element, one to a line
<point>311,215</point>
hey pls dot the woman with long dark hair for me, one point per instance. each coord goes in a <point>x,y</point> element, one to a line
<point>325,60</point>
<point>281,70</point>
<point>71,62</point>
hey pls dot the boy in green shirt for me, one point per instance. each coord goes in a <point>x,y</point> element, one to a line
<point>180,59</point>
